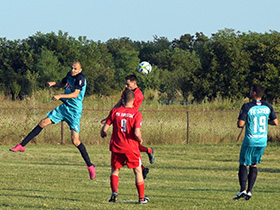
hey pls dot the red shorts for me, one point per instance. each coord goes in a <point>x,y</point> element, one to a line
<point>118,160</point>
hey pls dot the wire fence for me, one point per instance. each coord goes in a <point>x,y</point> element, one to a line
<point>159,127</point>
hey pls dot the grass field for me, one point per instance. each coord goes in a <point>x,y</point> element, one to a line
<point>195,176</point>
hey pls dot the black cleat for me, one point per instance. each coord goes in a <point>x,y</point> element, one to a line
<point>151,156</point>
<point>145,172</point>
<point>144,200</point>
<point>241,194</point>
<point>113,197</point>
<point>248,196</point>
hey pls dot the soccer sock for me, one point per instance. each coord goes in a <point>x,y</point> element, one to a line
<point>31,135</point>
<point>243,176</point>
<point>142,167</point>
<point>114,183</point>
<point>141,189</point>
<point>142,148</point>
<point>253,172</point>
<point>84,154</point>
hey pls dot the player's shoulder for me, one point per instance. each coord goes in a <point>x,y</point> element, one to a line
<point>249,105</point>
<point>138,91</point>
<point>80,76</point>
<point>265,103</point>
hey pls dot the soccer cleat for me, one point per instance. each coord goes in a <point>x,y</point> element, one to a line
<point>91,170</point>
<point>240,195</point>
<point>248,196</point>
<point>18,148</point>
<point>145,172</point>
<point>113,197</point>
<point>151,156</point>
<point>144,200</point>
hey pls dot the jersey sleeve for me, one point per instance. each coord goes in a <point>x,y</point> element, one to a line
<point>64,80</point>
<point>80,82</point>
<point>243,113</point>
<point>138,120</point>
<point>138,99</point>
<point>272,115</point>
<point>109,120</point>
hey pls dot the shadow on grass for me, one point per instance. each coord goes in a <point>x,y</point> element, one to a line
<point>235,169</point>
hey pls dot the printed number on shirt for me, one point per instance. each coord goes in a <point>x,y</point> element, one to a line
<point>261,121</point>
<point>123,125</point>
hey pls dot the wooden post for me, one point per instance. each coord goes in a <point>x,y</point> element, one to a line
<point>61,134</point>
<point>188,127</point>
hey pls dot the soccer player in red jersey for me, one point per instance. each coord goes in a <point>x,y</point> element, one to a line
<point>131,84</point>
<point>124,144</point>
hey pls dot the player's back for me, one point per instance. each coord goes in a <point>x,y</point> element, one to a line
<point>258,113</point>
<point>125,120</point>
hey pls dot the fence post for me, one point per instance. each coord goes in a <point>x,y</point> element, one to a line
<point>188,127</point>
<point>61,134</point>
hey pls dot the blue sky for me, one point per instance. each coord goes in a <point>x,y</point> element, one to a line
<point>140,20</point>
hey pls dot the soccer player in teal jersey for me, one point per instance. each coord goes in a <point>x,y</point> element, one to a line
<point>255,116</point>
<point>70,111</point>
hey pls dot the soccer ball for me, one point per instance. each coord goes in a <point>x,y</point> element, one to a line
<point>144,67</point>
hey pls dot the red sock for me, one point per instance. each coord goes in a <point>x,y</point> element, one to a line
<point>141,189</point>
<point>149,150</point>
<point>142,148</point>
<point>114,183</point>
<point>142,167</point>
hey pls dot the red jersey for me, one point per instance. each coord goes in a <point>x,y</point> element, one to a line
<point>137,100</point>
<point>124,121</point>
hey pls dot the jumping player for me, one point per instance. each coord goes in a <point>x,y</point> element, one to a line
<point>256,116</point>
<point>70,111</point>
<point>124,144</point>
<point>131,84</point>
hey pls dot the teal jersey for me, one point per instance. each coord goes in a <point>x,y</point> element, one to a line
<point>71,84</point>
<point>256,115</point>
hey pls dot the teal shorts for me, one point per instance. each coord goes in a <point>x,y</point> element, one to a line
<point>250,155</point>
<point>68,114</point>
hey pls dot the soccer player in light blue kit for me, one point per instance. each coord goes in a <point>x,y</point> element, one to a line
<point>70,111</point>
<point>255,116</point>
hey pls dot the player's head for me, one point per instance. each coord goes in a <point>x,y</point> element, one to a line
<point>256,91</point>
<point>76,68</point>
<point>131,82</point>
<point>128,96</point>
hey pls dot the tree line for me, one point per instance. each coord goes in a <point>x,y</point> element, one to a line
<point>194,67</point>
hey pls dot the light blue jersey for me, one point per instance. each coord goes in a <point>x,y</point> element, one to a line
<point>73,83</point>
<point>71,109</point>
<point>256,115</point>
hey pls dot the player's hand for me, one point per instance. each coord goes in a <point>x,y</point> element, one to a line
<point>103,121</point>
<point>141,141</point>
<point>56,97</point>
<point>103,134</point>
<point>51,84</point>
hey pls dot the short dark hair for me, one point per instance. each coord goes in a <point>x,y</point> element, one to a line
<point>128,96</point>
<point>258,89</point>
<point>131,77</point>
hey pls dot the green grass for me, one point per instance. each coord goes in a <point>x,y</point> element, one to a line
<point>195,176</point>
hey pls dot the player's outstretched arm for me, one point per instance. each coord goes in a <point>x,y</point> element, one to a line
<point>55,84</point>
<point>75,94</point>
<point>103,121</point>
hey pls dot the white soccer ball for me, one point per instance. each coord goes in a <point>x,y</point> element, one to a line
<point>144,67</point>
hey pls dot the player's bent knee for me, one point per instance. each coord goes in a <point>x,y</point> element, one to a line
<point>45,122</point>
<point>76,142</point>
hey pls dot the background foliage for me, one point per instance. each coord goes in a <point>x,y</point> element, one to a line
<point>192,68</point>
